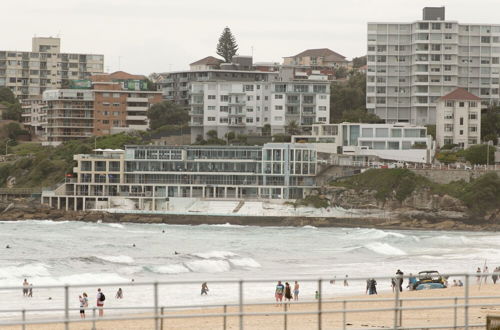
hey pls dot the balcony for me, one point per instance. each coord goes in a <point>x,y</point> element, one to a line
<point>196,124</point>
<point>144,118</point>
<point>137,99</point>
<point>129,108</point>
<point>195,113</point>
<point>236,124</point>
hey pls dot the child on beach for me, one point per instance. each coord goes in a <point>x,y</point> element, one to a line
<point>204,289</point>
<point>119,294</point>
<point>84,302</point>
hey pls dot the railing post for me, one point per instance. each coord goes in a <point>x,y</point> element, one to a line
<point>93,319</point>
<point>24,318</point>
<point>344,306</point>
<point>225,317</point>
<point>241,304</point>
<point>66,307</point>
<point>396,301</point>
<point>319,304</point>
<point>400,313</point>
<point>455,314</point>
<point>156,305</point>
<point>286,320</point>
<point>466,302</point>
<point>161,321</point>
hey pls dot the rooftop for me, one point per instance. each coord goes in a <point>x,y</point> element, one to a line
<point>118,75</point>
<point>209,60</point>
<point>460,94</point>
<point>328,54</point>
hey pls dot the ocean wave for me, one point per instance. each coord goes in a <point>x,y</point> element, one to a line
<point>244,263</point>
<point>215,254</point>
<point>93,278</point>
<point>169,269</point>
<point>385,249</point>
<point>227,224</point>
<point>309,227</point>
<point>27,270</point>
<point>208,266</point>
<point>115,225</point>
<point>117,259</point>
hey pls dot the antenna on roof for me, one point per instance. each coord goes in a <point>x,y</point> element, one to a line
<point>252,51</point>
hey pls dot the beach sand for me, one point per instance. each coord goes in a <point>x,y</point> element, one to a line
<point>425,317</point>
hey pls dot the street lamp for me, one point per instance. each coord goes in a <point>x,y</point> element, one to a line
<point>7,144</point>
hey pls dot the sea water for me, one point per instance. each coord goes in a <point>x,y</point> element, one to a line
<point>72,252</point>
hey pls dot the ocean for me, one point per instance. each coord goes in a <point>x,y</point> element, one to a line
<point>72,252</point>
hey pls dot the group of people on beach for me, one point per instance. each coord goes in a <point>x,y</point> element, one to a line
<point>483,276</point>
<point>27,289</point>
<point>100,298</point>
<point>286,291</point>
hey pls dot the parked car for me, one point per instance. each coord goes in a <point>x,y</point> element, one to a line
<point>429,279</point>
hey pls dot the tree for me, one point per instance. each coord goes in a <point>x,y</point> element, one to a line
<point>13,111</point>
<point>360,116</point>
<point>293,128</point>
<point>266,130</point>
<point>341,73</point>
<point>478,154</point>
<point>227,46</point>
<point>347,96</point>
<point>7,96</point>
<point>167,113</point>
<point>490,125</point>
<point>358,62</point>
<point>431,130</point>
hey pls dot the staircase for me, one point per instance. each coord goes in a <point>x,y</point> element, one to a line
<point>239,206</point>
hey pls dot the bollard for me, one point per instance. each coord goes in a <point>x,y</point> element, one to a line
<point>455,314</point>
<point>241,304</point>
<point>225,317</point>
<point>24,319</point>
<point>344,306</point>
<point>396,301</point>
<point>286,320</point>
<point>400,313</point>
<point>155,285</point>
<point>66,307</point>
<point>93,319</point>
<point>161,322</point>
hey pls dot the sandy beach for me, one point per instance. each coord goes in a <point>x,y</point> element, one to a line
<point>379,319</point>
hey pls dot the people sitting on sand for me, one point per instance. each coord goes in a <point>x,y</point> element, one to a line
<point>460,283</point>
<point>204,289</point>
<point>455,283</point>
<point>119,294</point>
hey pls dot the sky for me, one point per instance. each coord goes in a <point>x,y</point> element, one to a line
<point>145,36</point>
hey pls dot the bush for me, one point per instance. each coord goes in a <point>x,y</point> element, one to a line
<point>312,200</point>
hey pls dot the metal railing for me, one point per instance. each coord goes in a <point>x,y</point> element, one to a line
<point>329,313</point>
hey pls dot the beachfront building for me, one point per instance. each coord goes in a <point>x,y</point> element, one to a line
<point>146,177</point>
<point>246,107</point>
<point>372,142</point>
<point>412,64</point>
<point>34,115</point>
<point>29,74</point>
<point>458,119</point>
<point>316,64</point>
<point>104,104</point>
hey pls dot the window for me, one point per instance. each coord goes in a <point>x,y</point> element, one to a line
<point>105,94</point>
<point>249,109</point>
<point>447,57</point>
<point>472,129</point>
<point>447,68</point>
<point>473,115</point>
<point>223,120</point>
<point>322,97</point>
<point>461,104</point>
<point>461,132</point>
<point>472,104</point>
<point>278,96</point>
<point>322,108</point>
<point>447,36</point>
<point>116,95</point>
<point>278,107</point>
<point>448,26</point>
<point>249,98</point>
<point>322,119</point>
<point>485,40</point>
<point>210,118</point>
<point>448,115</point>
<point>435,57</point>
<point>211,107</point>
<point>211,97</point>
<point>257,97</point>
<point>224,108</point>
<point>106,122</point>
<point>435,47</point>
<point>319,89</point>
<point>436,26</point>
<point>249,120</point>
<point>224,98</point>
<point>116,123</point>
<point>248,88</point>
<point>461,120</point>
<point>278,118</point>
<point>447,78</point>
<point>116,104</point>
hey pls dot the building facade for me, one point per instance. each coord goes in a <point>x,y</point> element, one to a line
<point>145,177</point>
<point>412,64</point>
<point>458,119</point>
<point>246,107</point>
<point>104,104</point>
<point>34,115</point>
<point>367,142</point>
<point>29,74</point>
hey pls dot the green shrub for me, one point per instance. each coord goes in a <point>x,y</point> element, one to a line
<point>312,200</point>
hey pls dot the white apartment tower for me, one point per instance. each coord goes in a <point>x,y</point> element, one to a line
<point>29,74</point>
<point>412,65</point>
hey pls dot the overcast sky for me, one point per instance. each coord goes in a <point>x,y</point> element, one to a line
<point>144,36</point>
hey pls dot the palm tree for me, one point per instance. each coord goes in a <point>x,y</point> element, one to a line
<point>293,128</point>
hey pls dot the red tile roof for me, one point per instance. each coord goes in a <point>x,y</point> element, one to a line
<point>209,60</point>
<point>460,94</point>
<point>120,75</point>
<point>322,52</point>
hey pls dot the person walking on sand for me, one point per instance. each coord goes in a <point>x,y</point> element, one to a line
<point>485,273</point>
<point>399,275</point>
<point>100,302</point>
<point>345,281</point>
<point>478,272</point>
<point>393,284</point>
<point>296,291</point>
<point>494,277</point>
<point>119,294</point>
<point>25,287</point>
<point>288,292</point>
<point>278,293</point>
<point>204,289</point>
<point>84,302</point>
<point>30,291</point>
<point>371,286</point>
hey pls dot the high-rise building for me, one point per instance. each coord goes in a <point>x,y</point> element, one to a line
<point>29,74</point>
<point>104,104</point>
<point>412,64</point>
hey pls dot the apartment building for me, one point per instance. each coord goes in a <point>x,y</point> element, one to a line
<point>458,119</point>
<point>246,107</point>
<point>412,64</point>
<point>316,58</point>
<point>104,104</point>
<point>34,115</point>
<point>29,74</point>
<point>372,142</point>
<point>146,177</point>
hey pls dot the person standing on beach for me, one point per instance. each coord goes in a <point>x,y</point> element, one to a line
<point>478,272</point>
<point>84,302</point>
<point>100,302</point>
<point>393,284</point>
<point>288,292</point>
<point>119,294</point>
<point>399,280</point>
<point>204,289</point>
<point>485,274</point>
<point>345,281</point>
<point>30,291</point>
<point>494,277</point>
<point>278,293</point>
<point>296,291</point>
<point>371,286</point>
<point>25,287</point>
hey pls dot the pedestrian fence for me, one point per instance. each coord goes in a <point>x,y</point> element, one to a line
<point>460,307</point>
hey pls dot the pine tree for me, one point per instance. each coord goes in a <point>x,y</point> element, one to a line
<point>227,46</point>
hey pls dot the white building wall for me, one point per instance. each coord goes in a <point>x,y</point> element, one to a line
<point>458,122</point>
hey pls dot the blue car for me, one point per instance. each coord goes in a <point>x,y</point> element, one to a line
<point>429,279</point>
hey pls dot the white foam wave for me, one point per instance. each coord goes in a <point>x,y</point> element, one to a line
<point>130,270</point>
<point>117,259</point>
<point>115,225</point>
<point>384,248</point>
<point>309,227</point>
<point>227,224</point>
<point>208,266</point>
<point>215,254</point>
<point>244,263</point>
<point>20,271</point>
<point>91,278</point>
<point>170,269</point>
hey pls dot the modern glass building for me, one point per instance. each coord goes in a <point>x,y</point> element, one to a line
<point>145,177</point>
